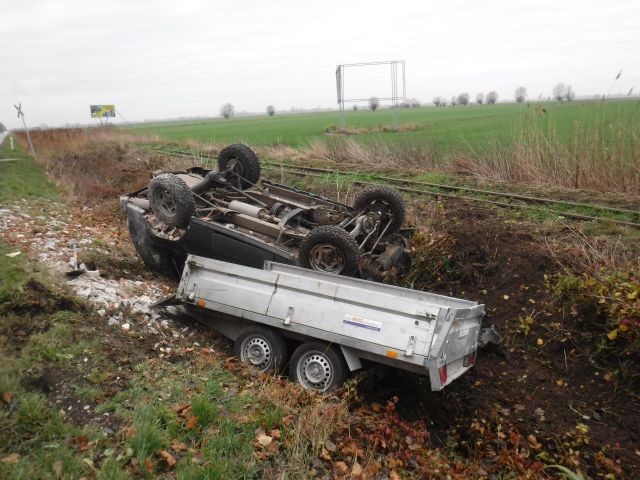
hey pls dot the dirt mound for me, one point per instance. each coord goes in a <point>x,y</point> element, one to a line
<point>538,398</point>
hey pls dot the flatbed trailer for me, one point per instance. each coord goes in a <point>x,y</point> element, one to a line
<point>334,322</point>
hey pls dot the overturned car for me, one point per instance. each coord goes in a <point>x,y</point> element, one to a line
<point>231,214</point>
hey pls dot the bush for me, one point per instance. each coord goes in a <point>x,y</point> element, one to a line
<point>609,302</point>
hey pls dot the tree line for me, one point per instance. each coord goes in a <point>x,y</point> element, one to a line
<point>562,92</point>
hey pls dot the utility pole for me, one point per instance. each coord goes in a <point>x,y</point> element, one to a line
<point>21,116</point>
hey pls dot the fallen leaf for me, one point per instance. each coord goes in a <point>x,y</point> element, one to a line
<point>264,440</point>
<point>613,334</point>
<point>376,407</point>
<point>341,467</point>
<point>275,433</point>
<point>356,471</point>
<point>57,468</point>
<point>171,461</point>
<point>506,297</point>
<point>540,342</point>
<point>192,421</point>
<point>149,464</point>
<point>324,454</point>
<point>393,475</point>
<point>11,459</point>
<point>7,397</point>
<point>608,377</point>
<point>82,442</point>
<point>519,407</point>
<point>177,445</point>
<point>533,442</point>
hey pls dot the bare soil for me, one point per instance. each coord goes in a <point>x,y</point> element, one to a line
<point>541,386</point>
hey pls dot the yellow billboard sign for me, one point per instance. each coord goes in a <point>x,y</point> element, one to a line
<point>101,111</point>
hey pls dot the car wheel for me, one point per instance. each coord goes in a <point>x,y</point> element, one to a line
<point>243,161</point>
<point>386,201</point>
<point>317,366</point>
<point>329,248</point>
<point>261,348</point>
<point>171,200</point>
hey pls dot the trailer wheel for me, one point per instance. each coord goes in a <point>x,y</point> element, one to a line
<point>317,366</point>
<point>386,201</point>
<point>261,348</point>
<point>243,161</point>
<point>171,200</point>
<point>329,248</point>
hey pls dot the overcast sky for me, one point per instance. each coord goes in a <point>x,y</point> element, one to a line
<point>163,59</point>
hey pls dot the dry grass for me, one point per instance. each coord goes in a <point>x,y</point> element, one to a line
<point>603,157</point>
<point>96,166</point>
<point>311,418</point>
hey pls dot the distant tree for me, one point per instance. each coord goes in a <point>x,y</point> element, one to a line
<point>406,103</point>
<point>463,98</point>
<point>374,103</point>
<point>560,91</point>
<point>521,94</point>
<point>569,94</point>
<point>492,97</point>
<point>454,101</point>
<point>443,103</point>
<point>437,101</point>
<point>271,110</point>
<point>2,128</point>
<point>355,107</point>
<point>227,110</point>
<point>480,98</point>
<point>415,103</point>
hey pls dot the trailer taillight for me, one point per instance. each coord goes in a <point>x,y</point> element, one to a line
<point>443,374</point>
<point>469,359</point>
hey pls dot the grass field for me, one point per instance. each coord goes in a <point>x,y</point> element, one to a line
<point>450,126</point>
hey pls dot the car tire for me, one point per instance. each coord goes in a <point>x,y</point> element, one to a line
<point>171,200</point>
<point>244,162</point>
<point>318,366</point>
<point>262,348</point>
<point>374,197</point>
<point>329,248</point>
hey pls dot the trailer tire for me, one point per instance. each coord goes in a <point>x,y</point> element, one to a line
<point>244,162</point>
<point>318,366</point>
<point>171,200</point>
<point>261,348</point>
<point>384,199</point>
<point>329,248</point>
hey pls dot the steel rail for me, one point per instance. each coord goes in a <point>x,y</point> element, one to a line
<point>469,189</point>
<point>576,216</point>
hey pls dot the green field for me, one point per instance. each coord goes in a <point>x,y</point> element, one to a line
<point>449,126</point>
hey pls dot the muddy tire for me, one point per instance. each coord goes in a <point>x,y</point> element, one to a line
<point>318,366</point>
<point>171,200</point>
<point>385,200</point>
<point>261,348</point>
<point>244,162</point>
<point>329,248</point>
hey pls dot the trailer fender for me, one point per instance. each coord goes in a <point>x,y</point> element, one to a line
<point>352,359</point>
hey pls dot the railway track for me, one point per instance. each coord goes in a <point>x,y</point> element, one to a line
<point>490,197</point>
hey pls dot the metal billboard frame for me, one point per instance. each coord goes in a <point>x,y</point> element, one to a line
<point>395,97</point>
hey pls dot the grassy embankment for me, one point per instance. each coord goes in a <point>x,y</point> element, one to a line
<point>81,399</point>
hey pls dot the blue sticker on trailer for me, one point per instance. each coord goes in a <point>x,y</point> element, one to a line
<point>357,321</point>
